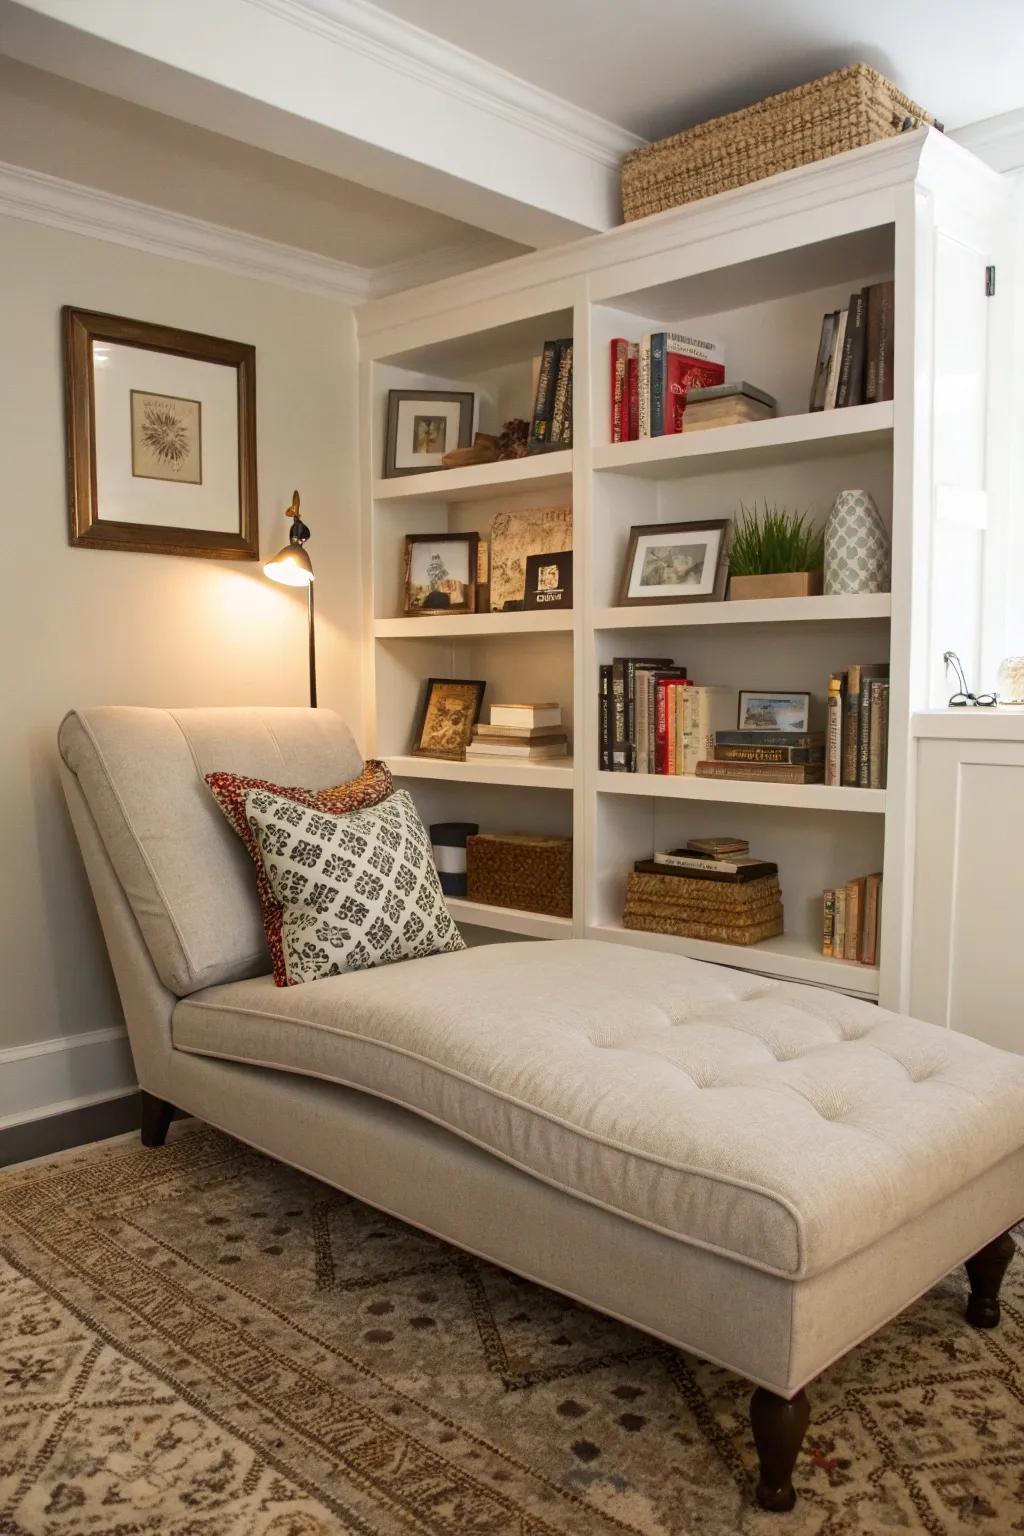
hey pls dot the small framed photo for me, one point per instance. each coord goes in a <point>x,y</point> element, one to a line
<point>161,438</point>
<point>451,708</point>
<point>549,580</point>
<point>762,709</point>
<point>440,573</point>
<point>422,426</point>
<point>677,563</point>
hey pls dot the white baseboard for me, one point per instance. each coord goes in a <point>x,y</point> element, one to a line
<point>50,1077</point>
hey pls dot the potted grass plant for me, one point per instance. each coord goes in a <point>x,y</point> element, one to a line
<point>775,553</point>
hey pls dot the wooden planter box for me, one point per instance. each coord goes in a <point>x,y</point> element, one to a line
<point>784,584</point>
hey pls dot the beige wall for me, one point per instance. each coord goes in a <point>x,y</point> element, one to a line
<point>87,626</point>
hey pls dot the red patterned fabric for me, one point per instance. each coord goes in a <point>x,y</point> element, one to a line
<point>229,790</point>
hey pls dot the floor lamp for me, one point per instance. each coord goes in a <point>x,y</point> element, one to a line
<point>292,567</point>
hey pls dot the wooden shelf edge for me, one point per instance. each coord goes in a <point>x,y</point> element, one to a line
<point>533,925</point>
<point>557,775</point>
<point>810,797</point>
<point>784,958</point>
<point>474,624</point>
<point>478,480</point>
<point>770,610</point>
<point>820,431</point>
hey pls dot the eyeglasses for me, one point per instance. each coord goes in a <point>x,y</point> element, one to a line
<point>964,698</point>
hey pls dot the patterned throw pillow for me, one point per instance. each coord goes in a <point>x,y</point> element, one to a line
<point>229,790</point>
<point>356,890</point>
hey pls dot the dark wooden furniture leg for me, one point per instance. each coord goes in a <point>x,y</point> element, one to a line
<point>156,1118</point>
<point>779,1427</point>
<point>985,1272</point>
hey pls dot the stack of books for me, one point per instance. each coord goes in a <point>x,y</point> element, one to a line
<point>726,405</point>
<point>850,918</point>
<point>711,889</point>
<point>655,719</point>
<point>652,378</point>
<point>854,365</point>
<point>857,730</point>
<point>551,423</point>
<point>767,757</point>
<point>529,733</point>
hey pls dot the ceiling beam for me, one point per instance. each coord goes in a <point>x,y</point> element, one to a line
<point>345,87</point>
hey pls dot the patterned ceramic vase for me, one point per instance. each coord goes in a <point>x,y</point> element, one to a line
<point>857,555</point>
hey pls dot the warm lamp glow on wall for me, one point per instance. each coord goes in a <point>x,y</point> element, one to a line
<point>292,567</point>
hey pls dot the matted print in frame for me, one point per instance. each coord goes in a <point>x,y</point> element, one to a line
<point>161,438</point>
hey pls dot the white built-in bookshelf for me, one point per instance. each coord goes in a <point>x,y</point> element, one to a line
<point>757,268</point>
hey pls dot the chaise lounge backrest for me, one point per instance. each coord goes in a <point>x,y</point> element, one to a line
<point>184,873</point>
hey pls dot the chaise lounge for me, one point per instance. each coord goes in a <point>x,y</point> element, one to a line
<point>760,1173</point>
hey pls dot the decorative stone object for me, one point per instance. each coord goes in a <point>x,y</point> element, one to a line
<point>1010,682</point>
<point>857,550</point>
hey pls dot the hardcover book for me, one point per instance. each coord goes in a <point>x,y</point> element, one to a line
<point>763,773</point>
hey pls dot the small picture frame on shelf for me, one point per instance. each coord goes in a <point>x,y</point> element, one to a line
<point>422,426</point>
<point>440,574</point>
<point>548,581</point>
<point>767,709</point>
<point>676,563</point>
<point>451,708</point>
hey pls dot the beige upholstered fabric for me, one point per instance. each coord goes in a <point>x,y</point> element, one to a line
<point>778,1332</point>
<point>783,1126</point>
<point>185,874</point>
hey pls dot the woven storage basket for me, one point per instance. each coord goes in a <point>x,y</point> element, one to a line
<point>533,874</point>
<point>840,111</point>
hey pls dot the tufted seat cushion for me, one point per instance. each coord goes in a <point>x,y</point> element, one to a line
<point>784,1126</point>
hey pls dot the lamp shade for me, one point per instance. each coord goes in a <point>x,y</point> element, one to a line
<point>291,566</point>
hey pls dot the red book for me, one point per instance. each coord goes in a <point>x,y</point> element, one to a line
<point>661,719</point>
<point>682,374</point>
<point>619,352</point>
<point>633,392</point>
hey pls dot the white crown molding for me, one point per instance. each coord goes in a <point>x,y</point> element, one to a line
<point>999,141</point>
<point>51,1076</point>
<point>101,215</point>
<point>363,28</point>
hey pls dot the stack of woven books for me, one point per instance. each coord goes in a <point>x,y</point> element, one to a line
<point>711,889</point>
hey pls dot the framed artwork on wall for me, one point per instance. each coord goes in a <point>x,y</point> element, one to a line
<point>161,438</point>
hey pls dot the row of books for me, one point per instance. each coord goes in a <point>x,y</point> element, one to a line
<point>654,719</point>
<point>551,423</point>
<point>850,920</point>
<point>857,726</point>
<point>528,733</point>
<point>652,378</point>
<point>854,365</point>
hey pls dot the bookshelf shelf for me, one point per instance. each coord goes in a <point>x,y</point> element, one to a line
<point>756,443</point>
<point>469,626</point>
<point>774,610</point>
<point>480,482</point>
<point>754,271</point>
<point>788,957</point>
<point>808,797</point>
<point>557,775</point>
<point>530,925</point>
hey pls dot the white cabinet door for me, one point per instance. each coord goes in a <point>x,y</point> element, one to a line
<point>967,952</point>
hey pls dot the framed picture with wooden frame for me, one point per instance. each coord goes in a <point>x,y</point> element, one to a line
<point>440,574</point>
<point>677,563</point>
<point>161,438</point>
<point>422,426</point>
<point>451,708</point>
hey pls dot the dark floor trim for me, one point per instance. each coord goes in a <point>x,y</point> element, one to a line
<point>73,1128</point>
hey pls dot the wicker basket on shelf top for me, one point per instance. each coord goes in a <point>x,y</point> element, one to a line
<point>841,111</point>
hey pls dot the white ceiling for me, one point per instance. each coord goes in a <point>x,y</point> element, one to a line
<point>68,130</point>
<point>655,66</point>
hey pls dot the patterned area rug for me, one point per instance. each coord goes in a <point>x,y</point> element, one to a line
<point>199,1342</point>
